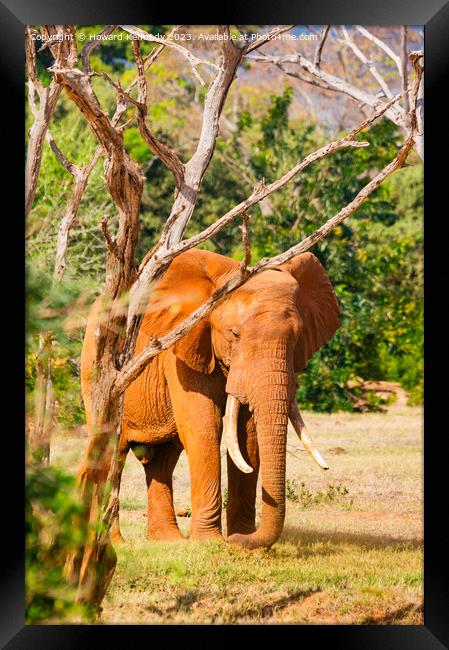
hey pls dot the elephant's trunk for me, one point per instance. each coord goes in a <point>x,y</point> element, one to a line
<point>271,409</point>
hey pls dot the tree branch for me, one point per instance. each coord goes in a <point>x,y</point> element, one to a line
<point>48,97</point>
<point>73,169</point>
<point>90,47</point>
<point>268,37</point>
<point>417,113</point>
<point>81,176</point>
<point>319,49</point>
<point>380,43</point>
<point>193,60</point>
<point>328,81</point>
<point>194,169</point>
<point>168,156</point>
<point>347,40</point>
<point>262,191</point>
<point>403,65</point>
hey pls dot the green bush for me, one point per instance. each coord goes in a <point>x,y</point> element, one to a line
<point>53,528</point>
<point>374,259</point>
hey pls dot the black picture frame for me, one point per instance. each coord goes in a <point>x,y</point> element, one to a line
<point>434,15</point>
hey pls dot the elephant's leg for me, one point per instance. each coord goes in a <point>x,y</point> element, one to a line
<point>115,533</point>
<point>162,522</point>
<point>203,451</point>
<point>197,402</point>
<point>241,507</point>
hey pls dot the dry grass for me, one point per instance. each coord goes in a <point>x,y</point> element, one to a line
<point>355,557</point>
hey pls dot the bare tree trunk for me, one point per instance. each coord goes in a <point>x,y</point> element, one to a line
<point>125,184</point>
<point>419,111</point>
<point>47,104</point>
<point>43,402</point>
<point>48,97</point>
<point>80,177</point>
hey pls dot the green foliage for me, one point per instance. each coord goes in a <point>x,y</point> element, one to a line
<point>60,308</point>
<point>374,260</point>
<point>303,495</point>
<point>53,529</point>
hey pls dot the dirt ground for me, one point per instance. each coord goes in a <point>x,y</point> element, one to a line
<point>351,550</point>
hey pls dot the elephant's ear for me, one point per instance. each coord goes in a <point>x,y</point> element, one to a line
<point>317,305</point>
<point>187,284</point>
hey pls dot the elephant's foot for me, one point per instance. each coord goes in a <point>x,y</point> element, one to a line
<point>164,535</point>
<point>198,534</point>
<point>241,527</point>
<point>251,541</point>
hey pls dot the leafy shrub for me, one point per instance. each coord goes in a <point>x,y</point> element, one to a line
<point>301,494</point>
<point>52,526</point>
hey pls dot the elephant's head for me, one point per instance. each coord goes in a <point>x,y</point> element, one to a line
<point>261,335</point>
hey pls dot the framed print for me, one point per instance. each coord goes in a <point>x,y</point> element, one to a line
<point>224,324</point>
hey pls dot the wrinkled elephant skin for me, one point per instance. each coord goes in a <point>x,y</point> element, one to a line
<point>247,351</point>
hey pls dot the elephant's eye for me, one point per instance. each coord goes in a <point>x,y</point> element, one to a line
<point>234,332</point>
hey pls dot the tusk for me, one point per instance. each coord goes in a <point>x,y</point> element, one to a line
<point>304,436</point>
<point>230,421</point>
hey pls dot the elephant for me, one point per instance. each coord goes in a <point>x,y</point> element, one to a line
<point>233,373</point>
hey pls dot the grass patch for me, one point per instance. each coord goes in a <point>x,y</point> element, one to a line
<point>308,580</point>
<point>351,550</point>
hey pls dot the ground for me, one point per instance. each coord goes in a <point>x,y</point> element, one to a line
<point>351,551</point>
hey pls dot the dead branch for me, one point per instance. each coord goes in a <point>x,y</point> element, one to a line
<point>241,172</point>
<point>165,231</point>
<point>308,72</point>
<point>80,176</point>
<point>328,81</point>
<point>73,169</point>
<point>262,191</point>
<point>268,37</point>
<point>162,151</point>
<point>90,47</point>
<point>319,49</point>
<point>417,112</point>
<point>194,170</point>
<point>347,40</point>
<point>403,67</point>
<point>168,42</point>
<point>246,245</point>
<point>43,112</point>
<point>380,43</point>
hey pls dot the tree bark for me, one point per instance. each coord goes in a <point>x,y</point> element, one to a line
<point>43,401</point>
